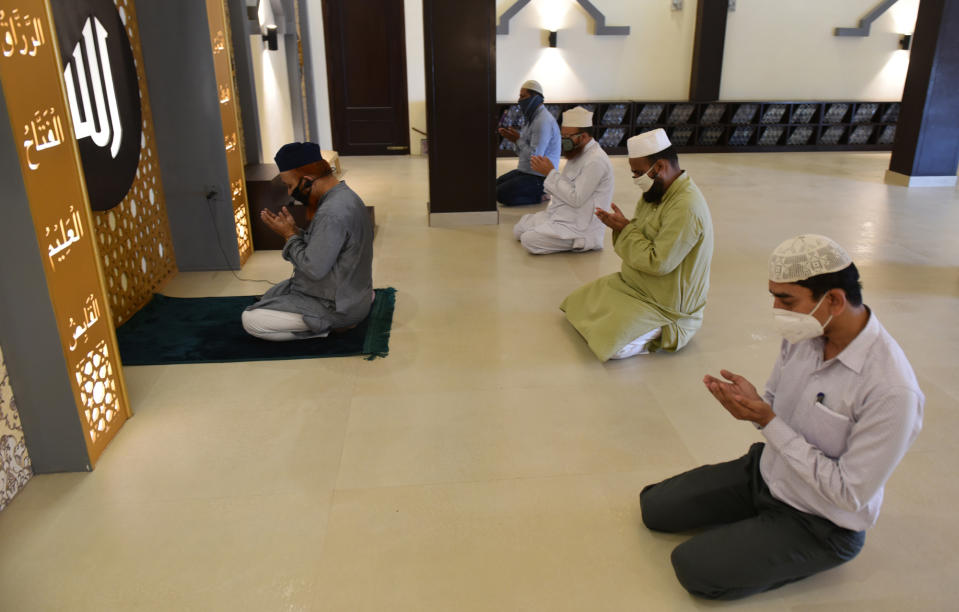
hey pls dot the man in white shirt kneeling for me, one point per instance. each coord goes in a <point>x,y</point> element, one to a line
<point>839,411</point>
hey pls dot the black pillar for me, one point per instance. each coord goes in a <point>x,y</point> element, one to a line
<point>927,136</point>
<point>460,40</point>
<point>708,48</point>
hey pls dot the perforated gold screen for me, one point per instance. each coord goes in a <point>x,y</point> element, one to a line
<point>232,137</point>
<point>134,237</point>
<point>36,96</point>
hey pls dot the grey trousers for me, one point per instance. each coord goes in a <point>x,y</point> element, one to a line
<point>750,542</point>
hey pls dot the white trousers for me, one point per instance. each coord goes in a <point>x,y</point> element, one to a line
<point>276,325</point>
<point>539,243</point>
<point>637,346</point>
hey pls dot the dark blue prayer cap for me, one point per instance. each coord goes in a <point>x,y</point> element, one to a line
<point>297,155</point>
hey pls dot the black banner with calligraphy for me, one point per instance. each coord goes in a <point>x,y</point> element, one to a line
<point>103,94</point>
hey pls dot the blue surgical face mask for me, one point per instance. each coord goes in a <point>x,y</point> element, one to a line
<point>530,105</point>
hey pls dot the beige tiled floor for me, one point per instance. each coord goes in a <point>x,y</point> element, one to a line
<point>490,462</point>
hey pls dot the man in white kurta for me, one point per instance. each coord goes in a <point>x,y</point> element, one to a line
<point>584,185</point>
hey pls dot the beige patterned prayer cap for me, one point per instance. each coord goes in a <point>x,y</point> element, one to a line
<point>805,256</point>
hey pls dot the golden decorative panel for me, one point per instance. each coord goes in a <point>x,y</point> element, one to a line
<point>34,87</point>
<point>134,237</point>
<point>15,467</point>
<point>98,391</point>
<point>229,115</point>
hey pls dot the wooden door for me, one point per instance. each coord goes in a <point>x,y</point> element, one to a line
<point>366,68</point>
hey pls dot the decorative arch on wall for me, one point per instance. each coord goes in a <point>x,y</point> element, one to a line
<point>863,28</point>
<point>599,19</point>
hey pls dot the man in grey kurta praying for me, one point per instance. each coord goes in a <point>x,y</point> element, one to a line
<point>332,284</point>
<point>656,300</point>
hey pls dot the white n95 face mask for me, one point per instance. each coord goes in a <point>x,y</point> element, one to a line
<point>643,181</point>
<point>796,326</point>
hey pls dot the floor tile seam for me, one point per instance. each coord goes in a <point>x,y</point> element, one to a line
<point>474,481</point>
<point>471,389</point>
<point>343,440</point>
<point>235,409</point>
<point>101,503</point>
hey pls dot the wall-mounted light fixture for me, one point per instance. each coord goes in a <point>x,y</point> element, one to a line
<point>905,41</point>
<point>598,18</point>
<point>551,39</point>
<point>270,36</point>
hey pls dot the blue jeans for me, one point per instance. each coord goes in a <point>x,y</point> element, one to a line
<point>516,188</point>
<point>751,542</point>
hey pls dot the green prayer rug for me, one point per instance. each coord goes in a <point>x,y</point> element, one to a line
<point>203,330</point>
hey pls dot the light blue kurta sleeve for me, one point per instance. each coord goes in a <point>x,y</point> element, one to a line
<point>315,258</point>
<point>524,146</point>
<point>539,137</point>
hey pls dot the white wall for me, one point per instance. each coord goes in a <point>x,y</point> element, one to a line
<point>415,71</point>
<point>272,89</point>
<point>320,85</point>
<point>652,62</point>
<point>775,49</point>
<point>779,49</point>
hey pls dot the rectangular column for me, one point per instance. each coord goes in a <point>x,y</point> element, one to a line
<point>708,46</point>
<point>72,398</point>
<point>28,329</point>
<point>460,42</point>
<point>926,151</point>
<point>191,138</point>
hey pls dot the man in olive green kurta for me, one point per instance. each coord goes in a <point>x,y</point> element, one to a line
<point>666,250</point>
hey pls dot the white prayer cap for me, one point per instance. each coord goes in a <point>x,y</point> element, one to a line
<point>648,143</point>
<point>805,256</point>
<point>533,86</point>
<point>578,117</point>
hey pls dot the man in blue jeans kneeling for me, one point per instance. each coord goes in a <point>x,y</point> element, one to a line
<point>839,411</point>
<point>539,136</point>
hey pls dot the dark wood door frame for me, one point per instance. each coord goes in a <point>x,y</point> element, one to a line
<point>363,127</point>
